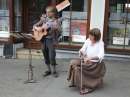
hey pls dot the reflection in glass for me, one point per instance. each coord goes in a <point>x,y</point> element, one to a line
<point>33,5</point>
<point>42,5</point>
<point>18,7</point>
<point>33,19</point>
<point>18,24</point>
<point>18,17</point>
<point>36,9</point>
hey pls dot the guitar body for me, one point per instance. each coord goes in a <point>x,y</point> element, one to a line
<point>41,35</point>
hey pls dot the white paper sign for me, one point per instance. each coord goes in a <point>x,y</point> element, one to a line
<point>2,14</point>
<point>65,28</point>
<point>120,40</point>
<point>78,38</point>
<point>62,5</point>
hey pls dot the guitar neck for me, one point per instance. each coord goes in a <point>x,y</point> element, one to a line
<point>49,26</point>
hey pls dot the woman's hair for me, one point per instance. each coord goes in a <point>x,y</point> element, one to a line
<point>96,33</point>
<point>53,9</point>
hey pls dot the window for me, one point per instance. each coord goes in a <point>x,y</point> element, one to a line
<point>4,20</point>
<point>75,26</point>
<point>119,7</point>
<point>36,9</point>
<point>118,32</point>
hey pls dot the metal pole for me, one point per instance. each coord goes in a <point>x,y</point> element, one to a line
<point>30,80</point>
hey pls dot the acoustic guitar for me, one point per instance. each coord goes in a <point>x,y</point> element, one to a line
<point>41,35</point>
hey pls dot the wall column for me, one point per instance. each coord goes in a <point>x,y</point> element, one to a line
<point>97,15</point>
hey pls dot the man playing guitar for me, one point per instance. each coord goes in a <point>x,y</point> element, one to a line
<point>50,40</point>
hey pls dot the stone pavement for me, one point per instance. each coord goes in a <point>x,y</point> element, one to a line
<point>13,72</point>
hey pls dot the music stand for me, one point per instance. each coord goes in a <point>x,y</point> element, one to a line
<point>18,34</point>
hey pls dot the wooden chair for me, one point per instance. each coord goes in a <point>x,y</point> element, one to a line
<point>102,83</point>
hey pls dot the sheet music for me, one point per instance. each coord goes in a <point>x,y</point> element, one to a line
<point>31,35</point>
<point>16,35</point>
<point>28,35</point>
<point>22,35</point>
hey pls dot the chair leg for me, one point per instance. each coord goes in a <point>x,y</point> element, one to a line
<point>102,83</point>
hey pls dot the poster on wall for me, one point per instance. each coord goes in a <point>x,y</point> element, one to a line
<point>78,28</point>
<point>117,34</point>
<point>1,18</point>
<point>78,31</point>
<point>4,30</point>
<point>65,28</point>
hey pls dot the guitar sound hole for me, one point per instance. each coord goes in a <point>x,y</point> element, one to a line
<point>42,30</point>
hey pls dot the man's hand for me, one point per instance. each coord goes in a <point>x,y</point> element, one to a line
<point>39,29</point>
<point>42,18</point>
<point>55,24</point>
<point>81,53</point>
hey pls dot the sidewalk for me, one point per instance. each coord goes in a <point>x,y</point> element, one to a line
<point>13,72</point>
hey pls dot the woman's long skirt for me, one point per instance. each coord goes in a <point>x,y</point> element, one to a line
<point>91,73</point>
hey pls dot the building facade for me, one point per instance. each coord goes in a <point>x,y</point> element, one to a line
<point>110,16</point>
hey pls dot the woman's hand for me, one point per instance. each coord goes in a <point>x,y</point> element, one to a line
<point>86,60</point>
<point>81,53</point>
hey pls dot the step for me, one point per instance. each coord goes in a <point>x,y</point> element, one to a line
<point>74,54</point>
<point>23,53</point>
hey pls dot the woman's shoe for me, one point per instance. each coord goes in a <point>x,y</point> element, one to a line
<point>85,91</point>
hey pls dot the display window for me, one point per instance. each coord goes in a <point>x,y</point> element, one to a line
<point>4,20</point>
<point>118,26</point>
<point>74,27</point>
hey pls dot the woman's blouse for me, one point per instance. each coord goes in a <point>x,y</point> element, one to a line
<point>96,50</point>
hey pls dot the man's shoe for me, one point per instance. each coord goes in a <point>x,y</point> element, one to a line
<point>46,73</point>
<point>55,74</point>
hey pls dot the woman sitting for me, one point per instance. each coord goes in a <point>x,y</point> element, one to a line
<point>93,66</point>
